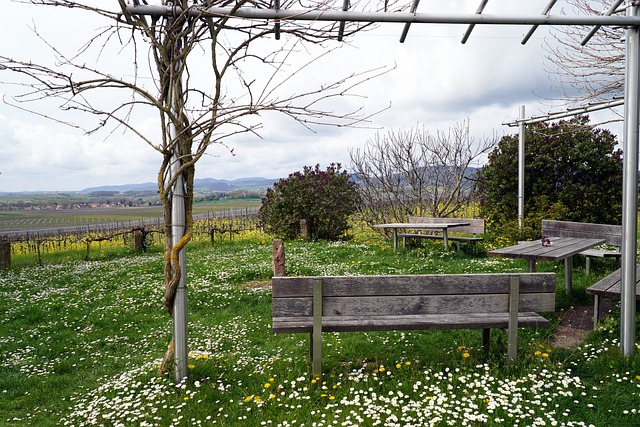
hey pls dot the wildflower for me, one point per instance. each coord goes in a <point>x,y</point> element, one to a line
<point>248,398</point>
<point>465,355</point>
<point>398,365</point>
<point>191,366</point>
<point>267,385</point>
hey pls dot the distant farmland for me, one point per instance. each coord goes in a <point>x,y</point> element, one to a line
<point>52,219</point>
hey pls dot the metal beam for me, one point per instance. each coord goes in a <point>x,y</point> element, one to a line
<point>467,33</point>
<point>596,106</point>
<point>345,6</point>
<point>397,17</point>
<point>405,30</point>
<point>595,29</point>
<point>535,27</point>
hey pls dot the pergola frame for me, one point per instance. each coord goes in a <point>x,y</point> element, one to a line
<point>631,114</point>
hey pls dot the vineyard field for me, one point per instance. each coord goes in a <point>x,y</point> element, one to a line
<point>53,219</point>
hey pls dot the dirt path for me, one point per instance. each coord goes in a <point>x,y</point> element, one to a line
<point>577,322</point>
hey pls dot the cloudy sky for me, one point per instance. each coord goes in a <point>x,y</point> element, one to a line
<point>435,82</point>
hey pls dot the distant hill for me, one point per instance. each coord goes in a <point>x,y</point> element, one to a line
<point>202,185</point>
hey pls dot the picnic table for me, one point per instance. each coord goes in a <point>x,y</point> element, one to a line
<point>440,226</point>
<point>554,249</point>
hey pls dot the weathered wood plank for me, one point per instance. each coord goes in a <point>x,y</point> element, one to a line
<point>396,323</point>
<point>611,233</point>
<point>476,225</point>
<point>427,284</point>
<point>411,305</point>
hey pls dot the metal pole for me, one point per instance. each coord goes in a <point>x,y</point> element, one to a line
<point>521,170</point>
<point>630,187</point>
<point>178,227</point>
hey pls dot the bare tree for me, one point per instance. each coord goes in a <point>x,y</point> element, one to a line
<point>593,72</point>
<point>197,102</point>
<point>412,172</point>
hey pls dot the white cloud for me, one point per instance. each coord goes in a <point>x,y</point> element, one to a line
<point>437,82</point>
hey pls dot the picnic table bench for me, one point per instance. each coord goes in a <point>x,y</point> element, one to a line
<point>609,287</point>
<point>463,234</point>
<point>411,302</point>
<point>612,235</point>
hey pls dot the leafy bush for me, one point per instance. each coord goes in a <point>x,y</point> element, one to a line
<point>573,172</point>
<point>325,199</point>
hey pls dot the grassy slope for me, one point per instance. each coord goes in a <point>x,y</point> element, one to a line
<point>80,341</point>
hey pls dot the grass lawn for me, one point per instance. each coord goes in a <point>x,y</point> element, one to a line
<point>80,343</point>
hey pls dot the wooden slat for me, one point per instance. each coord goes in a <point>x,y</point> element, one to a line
<point>395,323</point>
<point>609,286</point>
<point>611,233</point>
<point>427,284</point>
<point>476,225</point>
<point>412,305</point>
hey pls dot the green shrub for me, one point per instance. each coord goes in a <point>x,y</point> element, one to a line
<point>325,199</point>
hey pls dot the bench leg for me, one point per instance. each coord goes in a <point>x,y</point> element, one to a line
<point>568,275</point>
<point>596,311</point>
<point>514,299</point>
<point>587,266</point>
<point>486,337</point>
<point>316,335</point>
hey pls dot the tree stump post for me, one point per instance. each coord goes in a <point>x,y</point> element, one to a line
<point>138,241</point>
<point>304,229</point>
<point>5,255</point>
<point>278,258</point>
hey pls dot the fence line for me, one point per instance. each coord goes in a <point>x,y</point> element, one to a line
<point>228,220</point>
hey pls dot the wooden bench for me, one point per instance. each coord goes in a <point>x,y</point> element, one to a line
<point>411,302</point>
<point>612,234</point>
<point>608,287</point>
<point>461,234</point>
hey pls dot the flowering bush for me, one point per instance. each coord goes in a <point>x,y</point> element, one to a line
<point>325,199</point>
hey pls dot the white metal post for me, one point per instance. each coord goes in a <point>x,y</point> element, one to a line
<point>521,170</point>
<point>630,186</point>
<point>178,228</point>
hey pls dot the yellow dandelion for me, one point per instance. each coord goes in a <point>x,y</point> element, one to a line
<point>332,397</point>
<point>186,398</point>
<point>382,369</point>
<point>398,365</point>
<point>267,385</point>
<point>545,354</point>
<point>408,362</point>
<point>465,355</point>
<point>248,398</point>
<point>461,347</point>
<point>538,353</point>
<point>191,366</point>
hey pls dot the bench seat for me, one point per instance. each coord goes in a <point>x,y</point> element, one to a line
<point>472,231</point>
<point>410,322</point>
<point>608,287</point>
<point>462,239</point>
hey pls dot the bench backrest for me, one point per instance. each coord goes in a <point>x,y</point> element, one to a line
<point>398,295</point>
<point>611,233</point>
<point>476,226</point>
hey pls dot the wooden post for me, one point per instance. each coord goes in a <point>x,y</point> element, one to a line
<point>278,258</point>
<point>5,255</point>
<point>138,239</point>
<point>304,229</point>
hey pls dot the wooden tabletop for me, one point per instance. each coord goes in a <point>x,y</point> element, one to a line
<point>560,248</point>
